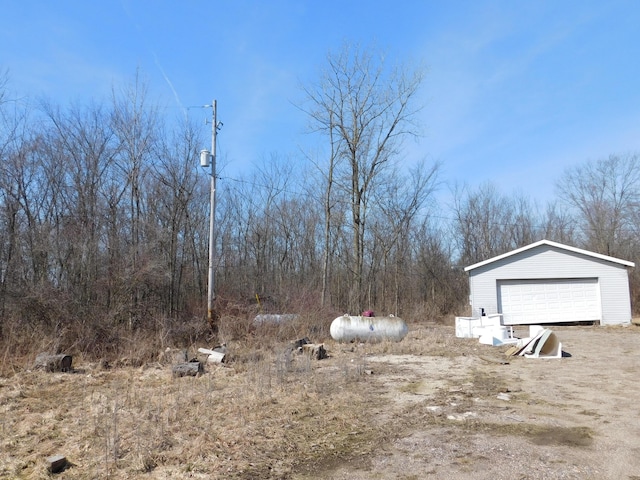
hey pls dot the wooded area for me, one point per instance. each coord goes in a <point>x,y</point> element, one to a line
<point>104,214</point>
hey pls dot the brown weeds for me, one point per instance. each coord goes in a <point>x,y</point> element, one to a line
<point>266,411</point>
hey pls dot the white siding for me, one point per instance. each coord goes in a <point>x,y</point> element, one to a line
<point>549,262</point>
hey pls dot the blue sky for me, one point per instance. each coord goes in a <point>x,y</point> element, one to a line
<point>515,91</point>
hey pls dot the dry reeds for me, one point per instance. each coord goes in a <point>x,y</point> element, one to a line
<point>266,411</point>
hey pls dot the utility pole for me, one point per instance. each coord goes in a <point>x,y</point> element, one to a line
<point>209,159</point>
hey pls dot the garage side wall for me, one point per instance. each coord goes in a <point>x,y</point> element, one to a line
<point>547,262</point>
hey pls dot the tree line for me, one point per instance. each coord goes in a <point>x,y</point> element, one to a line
<point>104,218</point>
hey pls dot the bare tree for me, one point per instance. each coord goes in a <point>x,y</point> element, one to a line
<point>488,223</point>
<point>329,201</point>
<point>135,124</point>
<point>524,228</point>
<point>78,153</point>
<point>604,199</point>
<point>333,208</point>
<point>4,82</point>
<point>173,189</point>
<point>440,285</point>
<point>605,195</point>
<point>366,110</point>
<point>400,204</point>
<point>558,224</point>
<point>12,123</point>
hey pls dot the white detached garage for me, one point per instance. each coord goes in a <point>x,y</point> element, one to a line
<point>548,282</point>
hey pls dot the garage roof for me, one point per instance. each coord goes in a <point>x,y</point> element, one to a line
<point>551,244</point>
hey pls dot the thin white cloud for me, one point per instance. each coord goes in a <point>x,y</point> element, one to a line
<point>503,97</point>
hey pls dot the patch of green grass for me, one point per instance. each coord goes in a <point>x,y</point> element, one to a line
<point>538,434</point>
<point>411,387</point>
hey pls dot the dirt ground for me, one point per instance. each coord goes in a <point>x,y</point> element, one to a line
<point>574,417</point>
<point>430,407</point>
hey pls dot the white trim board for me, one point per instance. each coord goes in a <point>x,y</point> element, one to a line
<point>551,244</point>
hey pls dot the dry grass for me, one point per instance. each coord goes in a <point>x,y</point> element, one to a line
<point>261,415</point>
<point>267,413</point>
<point>131,421</point>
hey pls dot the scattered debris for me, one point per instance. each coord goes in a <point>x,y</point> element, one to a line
<point>473,327</point>
<point>504,396</point>
<point>53,363</point>
<point>57,463</point>
<point>188,369</point>
<point>541,343</point>
<point>215,355</point>
<point>512,350</point>
<point>496,336</point>
<point>544,345</point>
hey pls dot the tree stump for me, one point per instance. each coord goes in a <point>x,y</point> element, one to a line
<point>53,363</point>
<point>189,369</point>
<point>314,350</point>
<point>57,463</point>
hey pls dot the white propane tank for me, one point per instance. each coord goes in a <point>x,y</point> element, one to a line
<point>349,328</point>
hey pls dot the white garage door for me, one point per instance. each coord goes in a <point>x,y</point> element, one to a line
<point>549,300</point>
